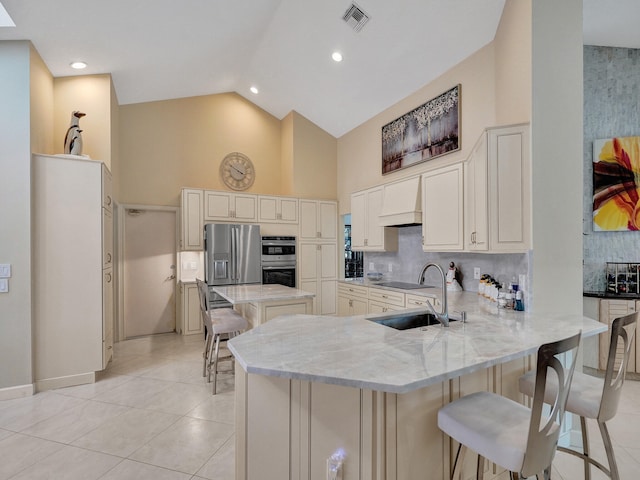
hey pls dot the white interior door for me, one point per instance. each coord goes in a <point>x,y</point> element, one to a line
<point>149,273</point>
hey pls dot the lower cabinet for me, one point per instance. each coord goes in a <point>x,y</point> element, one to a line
<point>381,300</point>
<point>189,322</point>
<point>352,300</point>
<point>383,435</point>
<point>609,310</point>
<point>318,268</point>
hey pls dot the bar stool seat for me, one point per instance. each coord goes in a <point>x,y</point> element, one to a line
<point>596,398</point>
<point>517,438</point>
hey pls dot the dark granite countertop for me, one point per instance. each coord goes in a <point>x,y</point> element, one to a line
<point>619,296</point>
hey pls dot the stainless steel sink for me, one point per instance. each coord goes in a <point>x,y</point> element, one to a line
<point>407,321</point>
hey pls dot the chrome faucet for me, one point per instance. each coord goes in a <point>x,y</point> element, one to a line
<point>443,316</point>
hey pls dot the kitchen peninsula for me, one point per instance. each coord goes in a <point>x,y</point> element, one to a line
<point>260,303</point>
<point>312,385</point>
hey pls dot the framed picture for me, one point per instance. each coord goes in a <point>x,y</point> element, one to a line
<point>616,163</point>
<point>426,132</point>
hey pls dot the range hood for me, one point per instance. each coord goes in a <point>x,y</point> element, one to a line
<point>401,204</point>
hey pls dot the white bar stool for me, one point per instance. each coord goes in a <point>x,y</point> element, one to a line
<point>217,322</point>
<point>507,433</point>
<point>596,398</point>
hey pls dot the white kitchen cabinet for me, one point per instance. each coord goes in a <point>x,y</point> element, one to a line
<point>417,301</point>
<point>107,313</point>
<point>272,209</point>
<point>72,255</point>
<point>610,309</point>
<point>366,233</point>
<point>192,216</point>
<point>227,206</point>
<point>442,209</point>
<point>509,189</point>
<point>190,321</point>
<point>318,273</point>
<point>352,300</point>
<point>318,220</point>
<point>381,300</point>
<point>505,183</point>
<point>476,198</point>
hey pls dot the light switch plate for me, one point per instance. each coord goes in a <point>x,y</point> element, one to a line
<point>4,285</point>
<point>5,270</point>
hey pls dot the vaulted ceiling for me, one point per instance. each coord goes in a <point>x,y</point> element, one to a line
<point>163,49</point>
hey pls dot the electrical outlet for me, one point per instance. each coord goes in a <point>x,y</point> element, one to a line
<point>476,273</point>
<point>4,285</point>
<point>390,267</point>
<point>371,266</point>
<point>194,266</point>
<point>5,270</point>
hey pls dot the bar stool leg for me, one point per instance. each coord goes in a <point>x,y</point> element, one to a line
<point>215,364</point>
<point>608,448</point>
<point>585,448</point>
<point>458,461</point>
<point>205,354</point>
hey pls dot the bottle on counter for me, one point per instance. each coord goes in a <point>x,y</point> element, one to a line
<point>519,302</point>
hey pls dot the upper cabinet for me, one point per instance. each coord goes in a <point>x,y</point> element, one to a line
<point>192,219</point>
<point>476,198</point>
<point>272,209</point>
<point>509,189</point>
<point>442,209</point>
<point>225,206</point>
<point>498,193</point>
<point>366,233</point>
<point>318,220</point>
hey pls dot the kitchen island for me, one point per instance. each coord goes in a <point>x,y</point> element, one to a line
<point>311,385</point>
<point>260,303</point>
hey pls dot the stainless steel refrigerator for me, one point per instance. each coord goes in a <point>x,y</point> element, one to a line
<point>232,256</point>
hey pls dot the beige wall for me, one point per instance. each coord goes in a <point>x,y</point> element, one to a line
<point>90,94</point>
<point>42,114</point>
<point>557,156</point>
<point>115,138</point>
<point>286,162</point>
<point>15,214</point>
<point>359,151</point>
<point>171,144</point>
<point>513,64</point>
<point>314,160</point>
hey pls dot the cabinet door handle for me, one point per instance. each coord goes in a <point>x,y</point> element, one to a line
<point>108,258</point>
<point>385,296</point>
<point>108,277</point>
<point>351,303</point>
<point>319,234</point>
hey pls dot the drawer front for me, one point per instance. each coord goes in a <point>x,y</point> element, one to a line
<point>415,301</point>
<point>381,307</point>
<point>353,290</point>
<point>387,296</point>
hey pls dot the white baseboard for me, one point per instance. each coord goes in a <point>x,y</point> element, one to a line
<point>68,381</point>
<point>19,391</point>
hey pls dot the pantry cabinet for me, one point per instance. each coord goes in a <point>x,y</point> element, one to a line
<point>319,274</point>
<point>272,209</point>
<point>318,220</point>
<point>73,308</point>
<point>476,198</point>
<point>227,206</point>
<point>192,219</point>
<point>442,209</point>
<point>366,233</point>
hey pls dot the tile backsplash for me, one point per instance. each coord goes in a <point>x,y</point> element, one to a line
<point>405,264</point>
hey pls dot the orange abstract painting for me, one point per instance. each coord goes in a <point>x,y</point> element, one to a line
<point>616,181</point>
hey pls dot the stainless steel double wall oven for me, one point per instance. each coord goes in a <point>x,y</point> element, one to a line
<point>279,260</point>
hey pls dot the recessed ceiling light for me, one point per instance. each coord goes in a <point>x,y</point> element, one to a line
<point>337,56</point>
<point>254,90</point>
<point>78,65</point>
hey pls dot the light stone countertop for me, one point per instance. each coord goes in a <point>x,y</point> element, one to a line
<point>238,294</point>
<point>356,352</point>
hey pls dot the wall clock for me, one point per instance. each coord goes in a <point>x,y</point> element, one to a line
<point>237,171</point>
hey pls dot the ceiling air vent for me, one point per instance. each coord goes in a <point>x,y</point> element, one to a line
<point>355,17</point>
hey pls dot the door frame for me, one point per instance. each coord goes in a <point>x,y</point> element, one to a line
<point>118,333</point>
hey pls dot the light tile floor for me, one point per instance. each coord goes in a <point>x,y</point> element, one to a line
<point>151,415</point>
